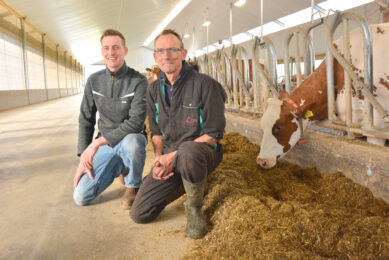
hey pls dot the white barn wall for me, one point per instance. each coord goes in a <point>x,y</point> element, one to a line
<point>140,59</point>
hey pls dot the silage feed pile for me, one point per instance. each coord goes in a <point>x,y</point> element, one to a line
<point>287,212</point>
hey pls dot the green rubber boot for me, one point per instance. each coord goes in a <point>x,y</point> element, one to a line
<point>196,226</point>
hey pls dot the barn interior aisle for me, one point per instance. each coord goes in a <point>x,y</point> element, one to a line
<point>38,218</point>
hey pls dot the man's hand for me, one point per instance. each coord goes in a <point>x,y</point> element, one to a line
<point>81,171</point>
<point>163,166</point>
<point>86,159</point>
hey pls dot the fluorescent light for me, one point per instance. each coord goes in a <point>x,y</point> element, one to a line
<point>173,13</point>
<point>277,21</point>
<point>207,23</point>
<point>320,9</point>
<point>187,35</point>
<point>239,3</point>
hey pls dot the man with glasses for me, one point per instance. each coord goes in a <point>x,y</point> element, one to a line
<point>186,116</point>
<point>118,93</point>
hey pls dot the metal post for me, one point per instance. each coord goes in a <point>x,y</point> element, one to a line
<point>231,26</point>
<point>292,33</point>
<point>25,64</point>
<point>297,58</point>
<point>309,55</point>
<point>271,74</point>
<point>44,65</point>
<point>240,52</point>
<point>365,86</point>
<point>223,64</point>
<point>66,73</point>
<point>261,20</point>
<point>347,81</point>
<point>71,75</point>
<point>58,71</point>
<point>330,86</point>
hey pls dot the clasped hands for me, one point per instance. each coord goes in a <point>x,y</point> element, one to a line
<point>163,166</point>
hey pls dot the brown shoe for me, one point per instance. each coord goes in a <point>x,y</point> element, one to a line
<point>122,175</point>
<point>129,197</point>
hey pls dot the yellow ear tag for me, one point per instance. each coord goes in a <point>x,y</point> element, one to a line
<point>308,114</point>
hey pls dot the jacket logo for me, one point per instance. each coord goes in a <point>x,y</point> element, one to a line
<point>190,120</point>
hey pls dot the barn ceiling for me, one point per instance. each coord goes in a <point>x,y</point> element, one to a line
<point>76,25</point>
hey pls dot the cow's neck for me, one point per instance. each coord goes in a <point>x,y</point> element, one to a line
<point>312,93</point>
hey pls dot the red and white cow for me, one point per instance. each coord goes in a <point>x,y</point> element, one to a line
<point>280,122</point>
<point>154,73</point>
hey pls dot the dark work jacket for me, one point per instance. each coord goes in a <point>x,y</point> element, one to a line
<point>120,99</point>
<point>197,107</point>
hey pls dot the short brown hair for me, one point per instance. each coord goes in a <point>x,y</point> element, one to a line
<point>170,31</point>
<point>112,32</point>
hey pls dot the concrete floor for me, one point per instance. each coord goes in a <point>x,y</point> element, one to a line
<point>38,219</point>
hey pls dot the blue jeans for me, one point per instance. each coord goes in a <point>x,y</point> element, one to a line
<point>109,163</point>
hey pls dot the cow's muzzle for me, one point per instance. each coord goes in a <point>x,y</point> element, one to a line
<point>265,163</point>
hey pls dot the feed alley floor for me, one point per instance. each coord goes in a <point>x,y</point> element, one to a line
<point>38,219</point>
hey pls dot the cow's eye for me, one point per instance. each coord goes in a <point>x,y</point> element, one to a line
<point>276,128</point>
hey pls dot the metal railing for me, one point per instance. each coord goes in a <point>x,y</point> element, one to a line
<point>266,71</point>
<point>296,34</point>
<point>239,54</point>
<point>224,74</point>
<point>366,128</point>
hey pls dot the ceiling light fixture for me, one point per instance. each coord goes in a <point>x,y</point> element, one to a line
<point>186,32</point>
<point>206,23</point>
<point>239,3</point>
<point>173,13</point>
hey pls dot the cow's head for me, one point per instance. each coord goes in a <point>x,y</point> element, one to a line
<point>281,130</point>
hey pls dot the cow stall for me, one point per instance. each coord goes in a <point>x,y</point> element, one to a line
<point>367,168</point>
<point>317,211</point>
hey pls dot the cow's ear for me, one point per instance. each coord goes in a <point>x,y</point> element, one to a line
<point>283,94</point>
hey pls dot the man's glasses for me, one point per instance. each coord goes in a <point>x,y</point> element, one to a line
<point>160,52</point>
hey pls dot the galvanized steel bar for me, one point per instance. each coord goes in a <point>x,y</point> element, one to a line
<point>297,57</point>
<point>57,59</point>
<point>223,64</point>
<point>213,66</point>
<point>25,64</point>
<point>347,81</point>
<point>271,75</point>
<point>365,86</point>
<point>309,56</point>
<point>44,65</point>
<point>288,87</point>
<point>240,52</point>
<point>66,73</point>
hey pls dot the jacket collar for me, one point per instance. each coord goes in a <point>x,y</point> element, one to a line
<point>185,68</point>
<point>118,73</point>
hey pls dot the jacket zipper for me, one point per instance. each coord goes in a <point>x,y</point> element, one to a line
<point>113,83</point>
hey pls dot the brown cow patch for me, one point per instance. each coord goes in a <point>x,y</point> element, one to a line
<point>379,30</point>
<point>285,126</point>
<point>384,82</point>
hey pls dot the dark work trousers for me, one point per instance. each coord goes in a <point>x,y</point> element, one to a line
<point>193,161</point>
